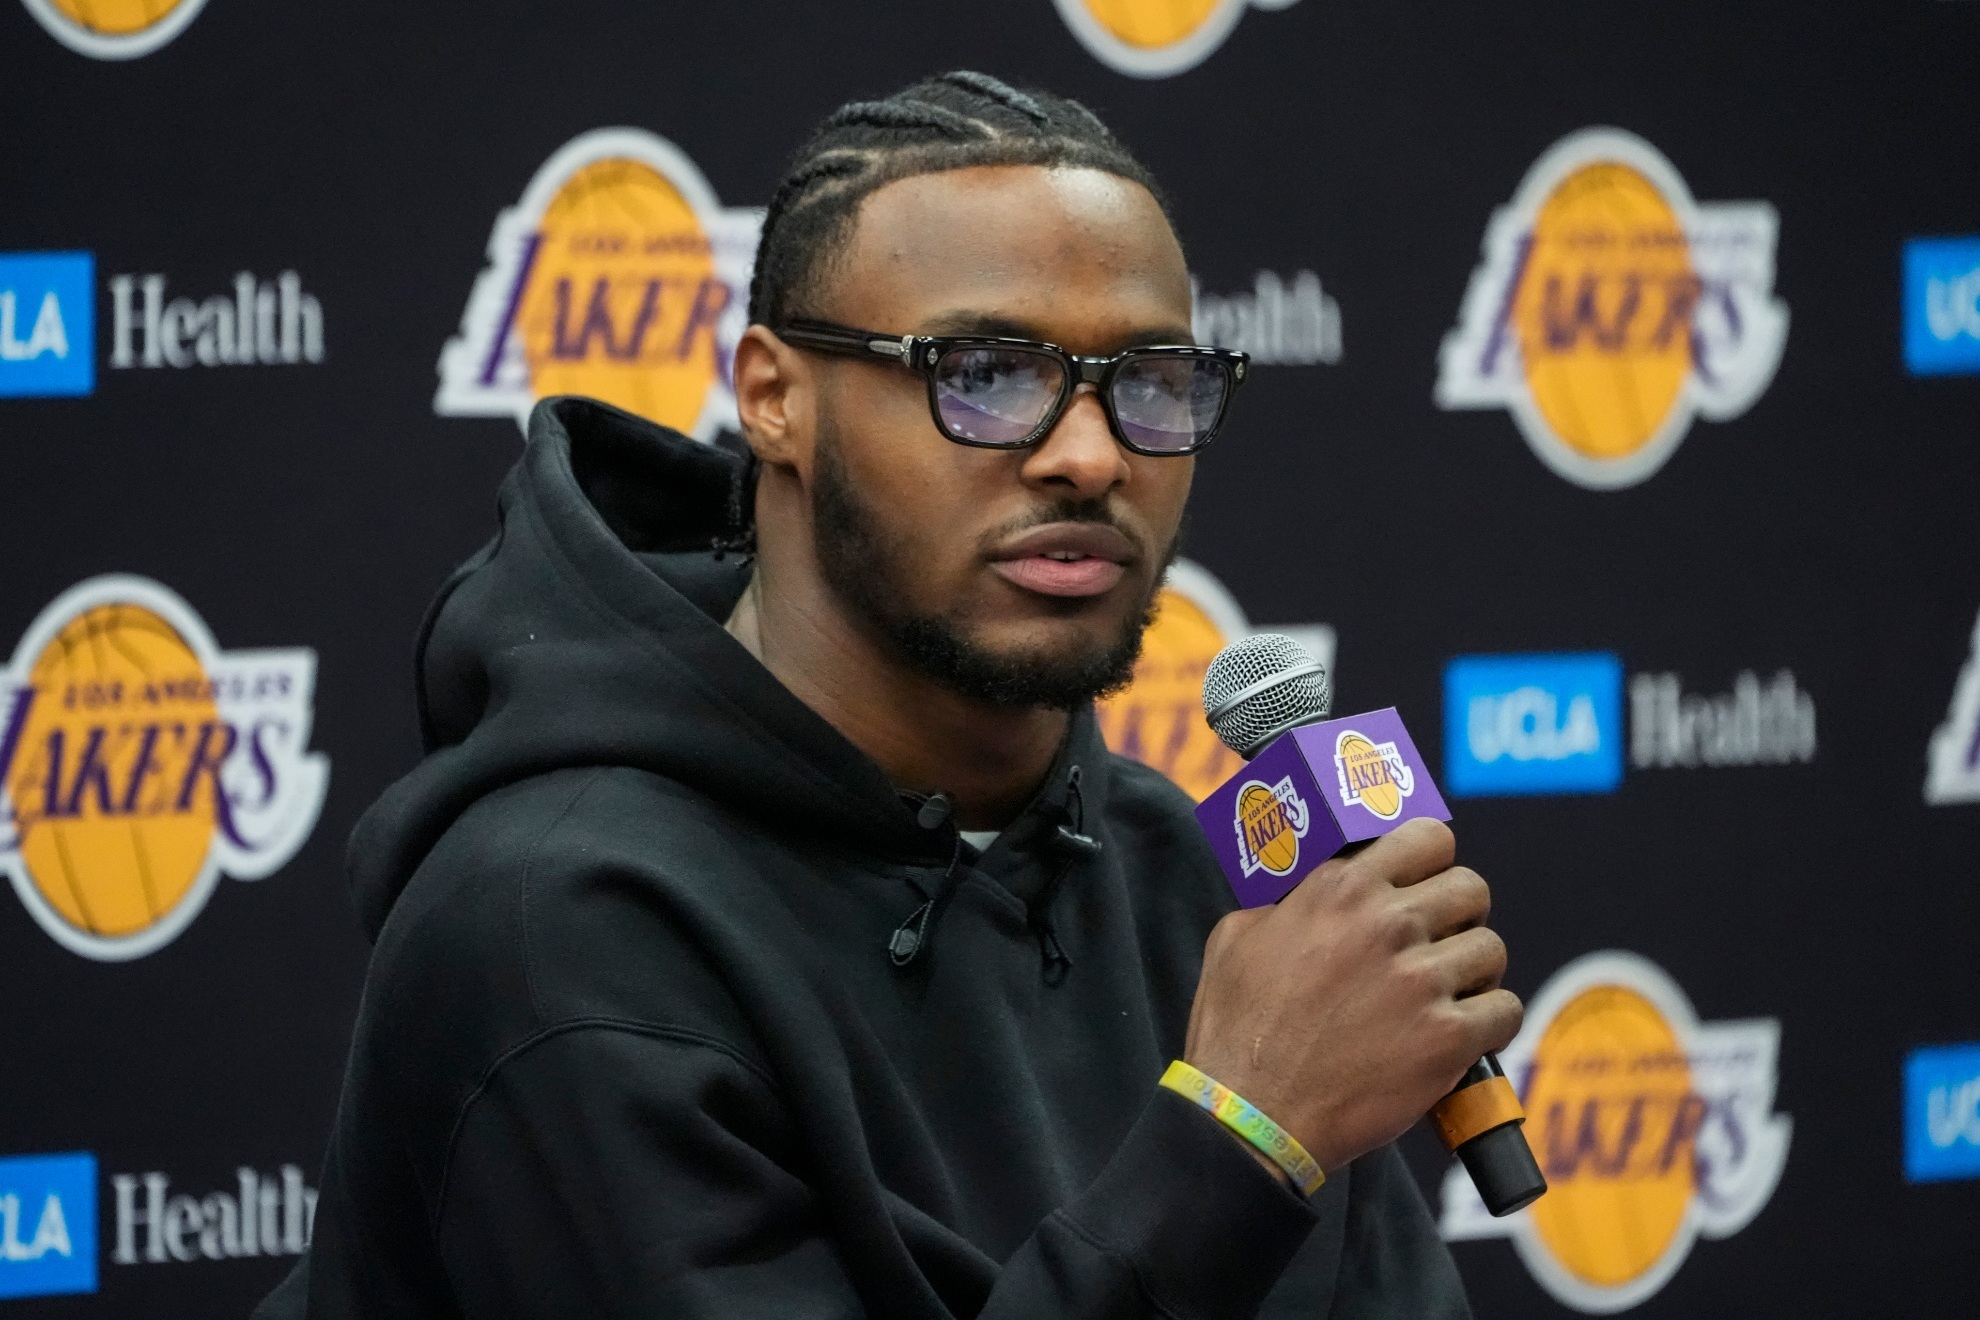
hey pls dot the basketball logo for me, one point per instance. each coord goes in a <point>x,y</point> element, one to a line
<point>1271,820</point>
<point>1610,310</point>
<point>114,29</point>
<point>619,276</point>
<point>138,761</point>
<point>1156,38</point>
<point>1372,775</point>
<point>1652,1129</point>
<point>1158,718</point>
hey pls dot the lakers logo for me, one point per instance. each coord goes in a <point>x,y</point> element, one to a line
<point>1158,718</point>
<point>138,761</point>
<point>114,29</point>
<point>1156,38</point>
<point>1610,310</point>
<point>617,276</point>
<point>1652,1128</point>
<point>1271,820</point>
<point>1372,775</point>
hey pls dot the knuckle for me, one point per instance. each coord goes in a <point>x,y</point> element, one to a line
<point>1399,925</point>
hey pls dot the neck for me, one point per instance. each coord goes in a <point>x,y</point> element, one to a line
<point>925,737</point>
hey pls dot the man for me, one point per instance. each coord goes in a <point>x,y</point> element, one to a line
<point>772,934</point>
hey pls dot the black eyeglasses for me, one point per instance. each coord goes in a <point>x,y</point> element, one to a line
<point>1008,393</point>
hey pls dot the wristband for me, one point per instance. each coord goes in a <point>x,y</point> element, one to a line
<point>1244,1118</point>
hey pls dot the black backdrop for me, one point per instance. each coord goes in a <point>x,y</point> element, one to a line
<point>1830,530</point>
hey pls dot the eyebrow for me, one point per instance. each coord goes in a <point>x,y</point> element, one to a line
<point>992,325</point>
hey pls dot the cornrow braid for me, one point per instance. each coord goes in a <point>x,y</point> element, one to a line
<point>952,121</point>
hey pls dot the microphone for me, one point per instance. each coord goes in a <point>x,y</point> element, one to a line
<point>1312,787</point>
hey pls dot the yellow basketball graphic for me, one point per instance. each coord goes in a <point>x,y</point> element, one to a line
<point>116,17</point>
<point>1269,833</point>
<point>1604,310</point>
<point>1156,38</point>
<point>139,762</point>
<point>1610,309</point>
<point>1368,776</point>
<point>1158,718</point>
<point>114,795</point>
<point>622,299</point>
<point>114,29</point>
<point>1612,1117</point>
<point>1151,24</point>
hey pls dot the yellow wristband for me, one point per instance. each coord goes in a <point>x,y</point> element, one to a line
<point>1244,1118</point>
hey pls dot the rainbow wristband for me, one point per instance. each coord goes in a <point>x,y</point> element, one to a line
<point>1244,1118</point>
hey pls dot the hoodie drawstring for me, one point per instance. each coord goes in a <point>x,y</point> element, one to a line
<point>911,936</point>
<point>1073,847</point>
<point>1068,839</point>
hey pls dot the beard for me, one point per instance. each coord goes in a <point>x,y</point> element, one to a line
<point>866,570</point>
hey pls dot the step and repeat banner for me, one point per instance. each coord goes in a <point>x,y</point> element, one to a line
<point>1617,417</point>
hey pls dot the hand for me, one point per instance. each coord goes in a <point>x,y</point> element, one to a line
<point>1348,1008</point>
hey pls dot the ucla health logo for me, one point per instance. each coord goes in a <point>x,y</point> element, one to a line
<point>1942,1113</point>
<point>1610,309</point>
<point>1271,820</point>
<point>1654,1129</point>
<point>1533,724</point>
<point>47,1225</point>
<point>1156,38</point>
<point>618,275</point>
<point>1942,306</point>
<point>47,324</point>
<point>114,29</point>
<point>138,761</point>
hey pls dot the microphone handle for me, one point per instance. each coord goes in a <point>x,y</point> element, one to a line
<point>1480,1122</point>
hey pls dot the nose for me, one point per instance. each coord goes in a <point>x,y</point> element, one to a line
<point>1079,456</point>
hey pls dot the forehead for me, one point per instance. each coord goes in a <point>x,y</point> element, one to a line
<point>1077,256</point>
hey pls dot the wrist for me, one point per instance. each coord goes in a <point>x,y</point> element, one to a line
<point>1272,1144</point>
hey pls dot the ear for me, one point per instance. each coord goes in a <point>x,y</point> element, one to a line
<point>776,398</point>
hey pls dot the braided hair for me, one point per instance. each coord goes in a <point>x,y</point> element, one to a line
<point>949,122</point>
<point>952,121</point>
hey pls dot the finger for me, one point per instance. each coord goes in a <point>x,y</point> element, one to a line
<point>1490,1021</point>
<point>1412,852</point>
<point>1471,962</point>
<point>1448,902</point>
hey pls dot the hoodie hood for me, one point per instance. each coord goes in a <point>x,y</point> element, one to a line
<point>589,632</point>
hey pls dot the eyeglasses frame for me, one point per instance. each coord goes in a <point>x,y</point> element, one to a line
<point>922,353</point>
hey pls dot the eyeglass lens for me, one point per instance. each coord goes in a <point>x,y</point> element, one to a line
<point>1169,404</point>
<point>1000,396</point>
<point>996,396</point>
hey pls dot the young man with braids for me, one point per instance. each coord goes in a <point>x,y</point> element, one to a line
<point>768,931</point>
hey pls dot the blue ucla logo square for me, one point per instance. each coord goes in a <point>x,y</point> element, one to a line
<point>47,324</point>
<point>1942,306</point>
<point>1532,724</point>
<point>47,1225</point>
<point>1942,1113</point>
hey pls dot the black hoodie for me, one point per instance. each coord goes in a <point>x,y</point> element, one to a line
<point>679,1008</point>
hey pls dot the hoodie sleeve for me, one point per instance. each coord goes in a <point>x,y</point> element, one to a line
<point>615,1171</point>
<point>1393,1264</point>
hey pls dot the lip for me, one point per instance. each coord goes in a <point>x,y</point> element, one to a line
<point>1065,559</point>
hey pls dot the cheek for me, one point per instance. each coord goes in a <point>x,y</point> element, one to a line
<point>930,495</point>
<point>1160,495</point>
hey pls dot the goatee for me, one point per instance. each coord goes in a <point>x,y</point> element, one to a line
<point>863,567</point>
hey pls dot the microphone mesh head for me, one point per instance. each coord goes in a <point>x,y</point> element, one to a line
<point>1245,708</point>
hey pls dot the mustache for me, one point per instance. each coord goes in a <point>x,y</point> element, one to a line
<point>1074,511</point>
